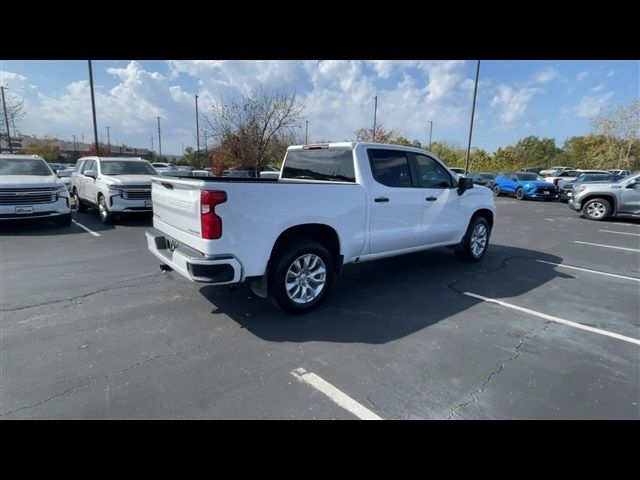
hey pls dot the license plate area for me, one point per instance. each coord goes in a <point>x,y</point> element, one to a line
<point>24,210</point>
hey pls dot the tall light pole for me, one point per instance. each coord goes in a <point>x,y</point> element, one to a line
<point>109,139</point>
<point>6,119</point>
<point>93,110</point>
<point>159,140</point>
<point>375,113</point>
<point>306,132</point>
<point>473,111</point>
<point>430,132</point>
<point>152,145</point>
<point>197,127</point>
<point>75,145</point>
<point>205,140</point>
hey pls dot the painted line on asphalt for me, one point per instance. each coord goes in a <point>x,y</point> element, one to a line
<point>339,397</point>
<point>556,319</point>
<point>621,233</point>
<point>607,246</point>
<point>95,234</point>
<point>549,219</point>
<point>591,271</point>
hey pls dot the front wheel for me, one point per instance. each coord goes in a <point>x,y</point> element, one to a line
<point>596,209</point>
<point>301,275</point>
<point>496,190</point>
<point>64,220</point>
<point>520,193</point>
<point>105,215</point>
<point>476,241</point>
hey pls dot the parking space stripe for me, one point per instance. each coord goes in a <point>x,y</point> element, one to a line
<point>339,397</point>
<point>556,319</point>
<point>95,234</point>
<point>620,233</point>
<point>607,246</point>
<point>591,271</point>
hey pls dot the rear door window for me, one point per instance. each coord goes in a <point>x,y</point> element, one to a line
<point>390,167</point>
<point>334,165</point>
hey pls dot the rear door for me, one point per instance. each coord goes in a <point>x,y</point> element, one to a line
<point>630,197</point>
<point>397,206</point>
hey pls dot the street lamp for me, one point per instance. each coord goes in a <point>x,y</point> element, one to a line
<point>430,131</point>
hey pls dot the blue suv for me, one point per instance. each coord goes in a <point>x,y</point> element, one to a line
<point>524,185</point>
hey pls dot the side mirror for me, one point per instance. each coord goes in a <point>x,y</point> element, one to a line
<point>464,183</point>
<point>632,184</point>
<point>91,173</point>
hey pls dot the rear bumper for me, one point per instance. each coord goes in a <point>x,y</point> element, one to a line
<point>191,264</point>
<point>554,196</point>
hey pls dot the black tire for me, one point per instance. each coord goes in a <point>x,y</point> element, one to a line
<point>103,211</point>
<point>80,207</point>
<point>465,250</point>
<point>597,209</point>
<point>284,259</point>
<point>496,190</point>
<point>63,220</point>
<point>520,193</point>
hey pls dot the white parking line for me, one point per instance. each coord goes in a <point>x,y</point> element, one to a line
<point>620,233</point>
<point>607,246</point>
<point>591,271</point>
<point>95,234</point>
<point>556,319</point>
<point>339,397</point>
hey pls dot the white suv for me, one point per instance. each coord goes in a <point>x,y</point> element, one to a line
<point>30,189</point>
<point>113,185</point>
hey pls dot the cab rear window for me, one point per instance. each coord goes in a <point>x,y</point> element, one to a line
<point>334,165</point>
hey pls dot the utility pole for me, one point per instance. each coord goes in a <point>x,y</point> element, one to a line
<point>152,145</point>
<point>75,145</point>
<point>197,127</point>
<point>6,119</point>
<point>205,142</point>
<point>473,111</point>
<point>430,131</point>
<point>159,139</point>
<point>306,132</point>
<point>93,109</point>
<point>108,140</point>
<point>375,112</point>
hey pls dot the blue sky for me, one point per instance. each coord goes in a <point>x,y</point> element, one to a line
<point>515,98</point>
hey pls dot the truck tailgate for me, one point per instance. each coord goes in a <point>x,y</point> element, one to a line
<point>176,204</point>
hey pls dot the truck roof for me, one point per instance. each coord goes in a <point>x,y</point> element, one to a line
<point>107,159</point>
<point>20,155</point>
<point>353,145</point>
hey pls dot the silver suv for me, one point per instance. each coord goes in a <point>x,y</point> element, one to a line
<point>598,201</point>
<point>113,185</point>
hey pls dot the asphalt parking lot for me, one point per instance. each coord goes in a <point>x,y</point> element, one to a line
<point>91,329</point>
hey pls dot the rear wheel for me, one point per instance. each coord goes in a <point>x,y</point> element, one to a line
<point>302,274</point>
<point>80,207</point>
<point>520,193</point>
<point>476,241</point>
<point>597,209</point>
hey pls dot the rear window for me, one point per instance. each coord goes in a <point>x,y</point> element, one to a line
<point>24,166</point>
<point>335,165</point>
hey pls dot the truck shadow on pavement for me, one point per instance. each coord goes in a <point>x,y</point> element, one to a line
<point>378,302</point>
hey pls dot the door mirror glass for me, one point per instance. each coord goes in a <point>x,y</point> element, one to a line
<point>91,173</point>
<point>464,183</point>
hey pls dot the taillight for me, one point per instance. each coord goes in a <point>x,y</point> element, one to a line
<point>210,222</point>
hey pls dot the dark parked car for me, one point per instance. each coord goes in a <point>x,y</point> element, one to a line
<point>531,170</point>
<point>566,192</point>
<point>483,179</point>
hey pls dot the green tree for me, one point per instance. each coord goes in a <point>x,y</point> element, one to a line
<point>619,127</point>
<point>44,149</point>
<point>536,152</point>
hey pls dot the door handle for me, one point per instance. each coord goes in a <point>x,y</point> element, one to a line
<point>431,199</point>
<point>381,199</point>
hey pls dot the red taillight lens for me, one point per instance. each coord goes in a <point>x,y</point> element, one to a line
<point>211,224</point>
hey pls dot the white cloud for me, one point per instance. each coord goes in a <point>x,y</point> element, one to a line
<point>545,75</point>
<point>582,76</point>
<point>611,73</point>
<point>597,88</point>
<point>589,106</point>
<point>511,103</point>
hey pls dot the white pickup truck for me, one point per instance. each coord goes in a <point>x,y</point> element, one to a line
<point>333,204</point>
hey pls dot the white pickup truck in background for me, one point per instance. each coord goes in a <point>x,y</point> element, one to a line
<point>333,204</point>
